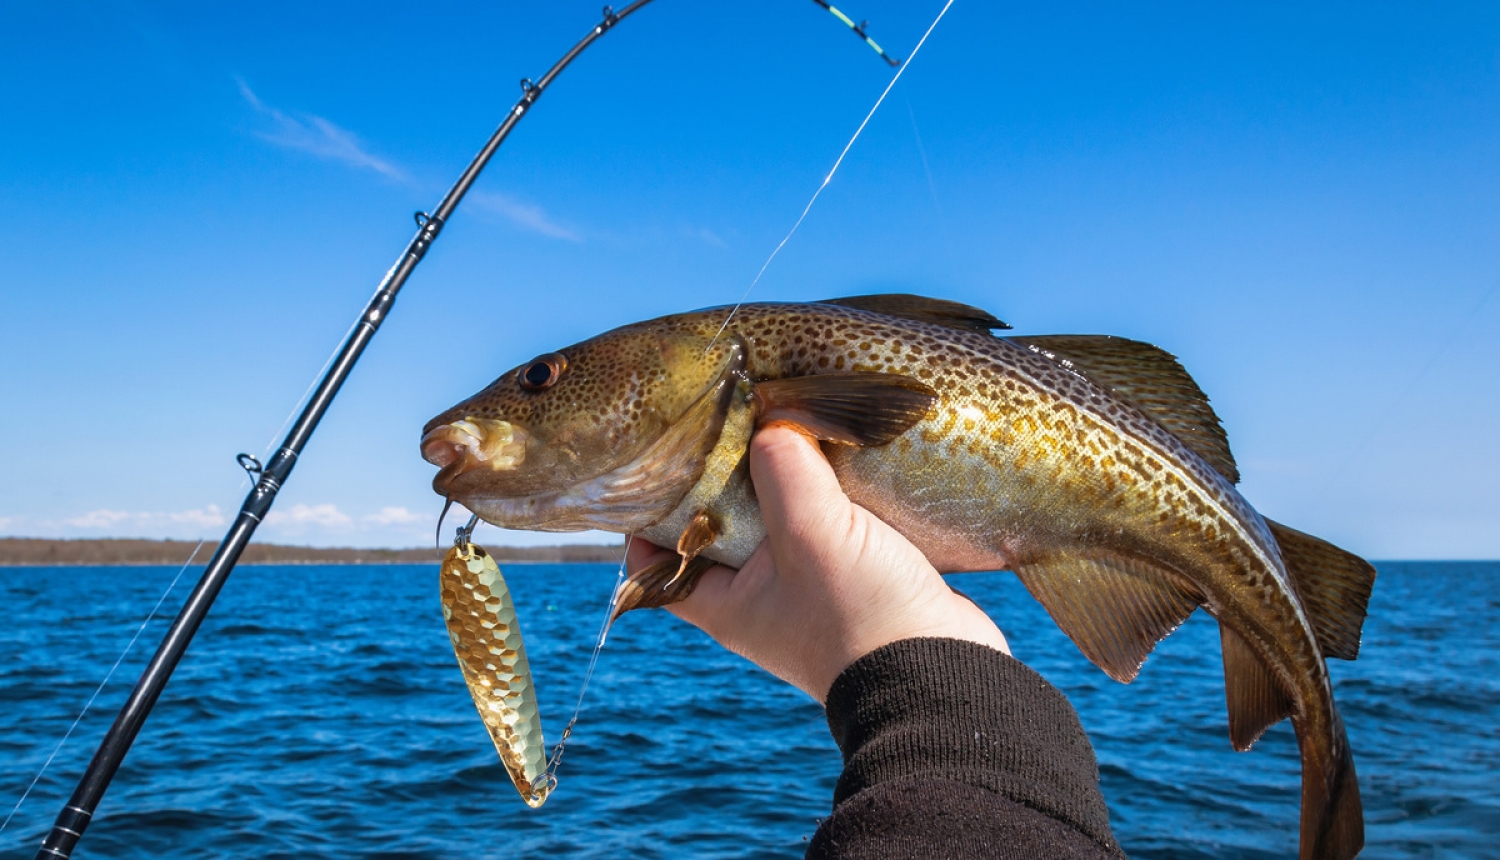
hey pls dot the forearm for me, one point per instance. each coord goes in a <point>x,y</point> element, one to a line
<point>954,749</point>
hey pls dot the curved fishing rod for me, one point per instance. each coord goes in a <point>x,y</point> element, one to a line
<point>79,811</point>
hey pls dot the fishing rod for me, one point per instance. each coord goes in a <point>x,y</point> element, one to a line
<point>859,30</point>
<point>269,479</point>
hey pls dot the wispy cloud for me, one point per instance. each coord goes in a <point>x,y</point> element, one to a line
<point>112,523</point>
<point>527,216</point>
<point>319,136</point>
<point>324,516</point>
<point>708,236</point>
<point>314,134</point>
<point>391,516</point>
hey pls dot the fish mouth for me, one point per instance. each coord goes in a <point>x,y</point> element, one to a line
<point>627,498</point>
<point>473,444</point>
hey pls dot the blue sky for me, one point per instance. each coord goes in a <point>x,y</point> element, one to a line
<point>199,198</point>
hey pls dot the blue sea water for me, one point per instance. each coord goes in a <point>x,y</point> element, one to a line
<point>320,712</point>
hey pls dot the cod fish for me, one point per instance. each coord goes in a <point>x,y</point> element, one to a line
<point>1091,466</point>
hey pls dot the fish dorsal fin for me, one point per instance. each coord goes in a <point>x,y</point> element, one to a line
<point>1334,586</point>
<point>1153,380</point>
<point>864,409</point>
<point>920,308</point>
<point>1256,702</point>
<point>1115,609</point>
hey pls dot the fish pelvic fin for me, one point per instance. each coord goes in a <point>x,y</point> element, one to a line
<point>1334,586</point>
<point>922,309</point>
<point>1114,608</point>
<point>850,408</point>
<point>1254,698</point>
<point>1333,819</point>
<point>660,584</point>
<point>1152,380</point>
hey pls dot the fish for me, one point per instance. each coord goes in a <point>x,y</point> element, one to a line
<point>1091,466</point>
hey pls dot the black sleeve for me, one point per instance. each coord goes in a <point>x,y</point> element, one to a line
<point>953,749</point>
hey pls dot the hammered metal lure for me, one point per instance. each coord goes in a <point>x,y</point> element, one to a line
<point>487,641</point>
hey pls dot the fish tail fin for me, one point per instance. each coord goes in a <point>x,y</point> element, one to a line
<point>1333,822</point>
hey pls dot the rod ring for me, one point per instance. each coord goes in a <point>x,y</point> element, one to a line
<point>250,464</point>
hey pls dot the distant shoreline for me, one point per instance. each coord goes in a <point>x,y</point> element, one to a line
<point>128,552</point>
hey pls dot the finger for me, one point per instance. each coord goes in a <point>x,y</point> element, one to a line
<point>641,553</point>
<point>799,493</point>
<point>709,602</point>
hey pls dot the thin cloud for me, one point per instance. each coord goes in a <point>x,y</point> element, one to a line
<point>323,138</point>
<point>527,216</point>
<point>326,516</point>
<point>125,523</point>
<point>314,134</point>
<point>708,236</point>
<point>395,516</point>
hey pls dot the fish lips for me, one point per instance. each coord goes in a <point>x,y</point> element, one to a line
<point>472,446</point>
<point>476,454</point>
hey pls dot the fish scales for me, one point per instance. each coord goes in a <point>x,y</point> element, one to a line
<point>1020,459</point>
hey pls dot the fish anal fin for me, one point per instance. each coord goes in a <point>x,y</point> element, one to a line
<point>1334,586</point>
<point>1154,381</point>
<point>923,309</point>
<point>1115,609</point>
<point>864,409</point>
<point>660,584</point>
<point>1254,698</point>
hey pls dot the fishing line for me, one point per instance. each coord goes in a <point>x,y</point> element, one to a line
<point>829,178</point>
<point>102,684</point>
<point>555,761</point>
<point>931,185</point>
<point>1462,328</point>
<point>81,806</point>
<point>265,453</point>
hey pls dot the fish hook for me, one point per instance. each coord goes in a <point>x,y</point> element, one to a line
<point>437,535</point>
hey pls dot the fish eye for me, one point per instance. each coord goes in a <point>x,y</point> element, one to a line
<point>543,371</point>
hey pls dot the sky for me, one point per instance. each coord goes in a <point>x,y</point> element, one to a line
<point>1303,204</point>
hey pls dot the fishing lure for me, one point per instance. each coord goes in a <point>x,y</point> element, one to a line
<point>486,636</point>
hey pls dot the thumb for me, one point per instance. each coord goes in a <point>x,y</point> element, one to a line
<point>798,492</point>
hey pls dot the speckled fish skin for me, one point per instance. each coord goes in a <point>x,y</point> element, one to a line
<point>1022,463</point>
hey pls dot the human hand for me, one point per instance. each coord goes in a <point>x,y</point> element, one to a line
<point>829,584</point>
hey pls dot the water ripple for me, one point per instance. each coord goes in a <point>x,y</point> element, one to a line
<point>320,712</point>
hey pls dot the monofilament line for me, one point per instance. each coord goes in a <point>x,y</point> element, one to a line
<point>102,685</point>
<point>829,178</point>
<point>555,760</point>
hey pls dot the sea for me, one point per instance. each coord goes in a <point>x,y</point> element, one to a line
<point>320,713</point>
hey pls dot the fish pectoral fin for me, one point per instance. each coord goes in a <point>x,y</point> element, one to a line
<point>1153,380</point>
<point>660,584</point>
<point>923,309</point>
<point>851,408</point>
<point>1255,700</point>
<point>1334,586</point>
<point>1114,608</point>
<point>701,532</point>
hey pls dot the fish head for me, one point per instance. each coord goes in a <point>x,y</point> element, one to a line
<point>609,433</point>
